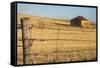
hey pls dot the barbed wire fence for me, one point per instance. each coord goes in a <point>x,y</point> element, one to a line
<point>27,40</point>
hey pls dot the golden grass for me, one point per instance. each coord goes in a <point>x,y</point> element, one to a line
<point>59,42</point>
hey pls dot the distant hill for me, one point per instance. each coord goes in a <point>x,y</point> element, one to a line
<point>39,17</point>
<point>46,20</point>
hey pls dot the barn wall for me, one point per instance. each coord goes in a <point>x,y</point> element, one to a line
<point>85,23</point>
<point>76,23</point>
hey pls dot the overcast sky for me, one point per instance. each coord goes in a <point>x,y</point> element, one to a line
<point>63,12</point>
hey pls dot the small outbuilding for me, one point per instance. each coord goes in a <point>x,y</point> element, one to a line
<point>80,21</point>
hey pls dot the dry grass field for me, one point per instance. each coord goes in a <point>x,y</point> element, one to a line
<point>54,40</point>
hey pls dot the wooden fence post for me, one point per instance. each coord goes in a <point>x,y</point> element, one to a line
<point>27,42</point>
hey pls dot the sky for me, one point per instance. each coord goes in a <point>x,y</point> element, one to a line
<point>53,11</point>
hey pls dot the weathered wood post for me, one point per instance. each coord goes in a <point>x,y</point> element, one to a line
<point>27,42</point>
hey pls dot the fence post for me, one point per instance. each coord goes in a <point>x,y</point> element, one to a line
<point>26,39</point>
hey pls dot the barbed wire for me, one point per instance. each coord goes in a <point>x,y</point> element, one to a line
<point>43,26</point>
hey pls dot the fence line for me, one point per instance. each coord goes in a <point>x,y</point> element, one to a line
<point>59,29</point>
<point>56,40</point>
<point>42,26</point>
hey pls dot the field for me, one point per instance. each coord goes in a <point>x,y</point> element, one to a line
<point>55,40</point>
